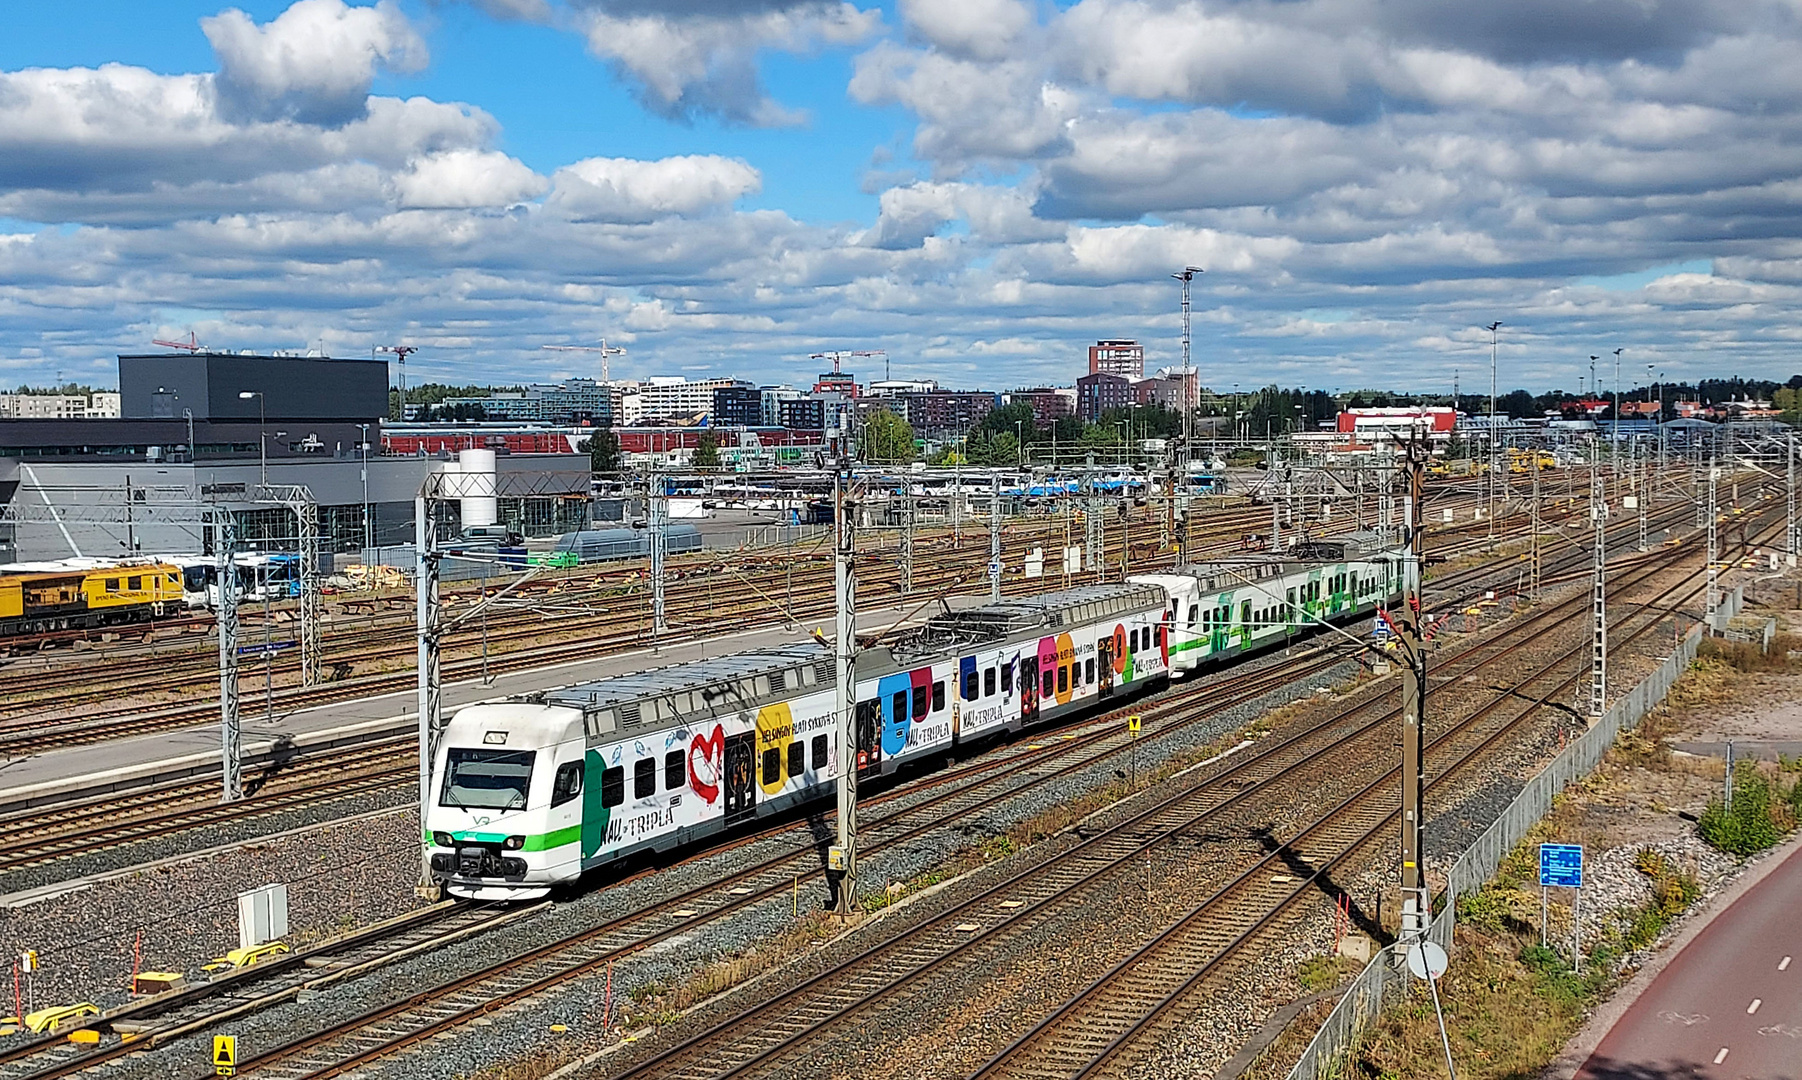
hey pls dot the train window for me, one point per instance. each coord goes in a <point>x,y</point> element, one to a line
<point>613,786</point>
<point>1089,670</point>
<point>1063,680</point>
<point>112,584</point>
<point>797,758</point>
<point>1193,610</point>
<point>922,702</point>
<point>487,779</point>
<point>568,783</point>
<point>675,770</point>
<point>970,685</point>
<point>938,695</point>
<point>772,767</point>
<point>1050,684</point>
<point>899,701</point>
<point>644,778</point>
<point>1007,677</point>
<point>819,752</point>
<point>134,583</point>
<point>988,683</point>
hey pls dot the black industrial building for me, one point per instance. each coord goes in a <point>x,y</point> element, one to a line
<point>205,406</point>
<point>741,406</point>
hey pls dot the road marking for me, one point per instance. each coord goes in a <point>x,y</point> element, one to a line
<point>1752,1008</point>
<point>1720,1057</point>
<point>1783,964</point>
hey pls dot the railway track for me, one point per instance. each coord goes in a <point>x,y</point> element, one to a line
<point>784,1030</point>
<point>709,601</point>
<point>1029,765</point>
<point>395,1027</point>
<point>270,983</point>
<point>40,835</point>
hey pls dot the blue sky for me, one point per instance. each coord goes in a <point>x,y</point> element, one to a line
<point>981,187</point>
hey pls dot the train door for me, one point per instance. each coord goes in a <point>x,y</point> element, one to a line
<point>1028,682</point>
<point>869,741</point>
<point>1104,667</point>
<point>741,776</point>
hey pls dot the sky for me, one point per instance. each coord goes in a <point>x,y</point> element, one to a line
<point>979,188</point>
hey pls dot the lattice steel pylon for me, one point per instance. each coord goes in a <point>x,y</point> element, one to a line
<point>1598,664</point>
<point>1533,559</point>
<point>1091,520</point>
<point>231,784</point>
<point>1789,532</point>
<point>994,539</point>
<point>657,511</point>
<point>428,702</point>
<point>310,647</point>
<point>1642,485</point>
<point>299,500</point>
<point>1714,548</point>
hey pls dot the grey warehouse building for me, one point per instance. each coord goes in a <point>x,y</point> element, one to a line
<point>196,430</point>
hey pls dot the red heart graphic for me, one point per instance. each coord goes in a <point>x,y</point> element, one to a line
<point>704,775</point>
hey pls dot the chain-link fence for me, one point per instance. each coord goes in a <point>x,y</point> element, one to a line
<point>1382,980</point>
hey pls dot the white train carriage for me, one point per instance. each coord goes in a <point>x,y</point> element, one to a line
<point>534,791</point>
<point>1226,608</point>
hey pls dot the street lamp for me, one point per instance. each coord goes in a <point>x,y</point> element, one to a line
<point>368,537</point>
<point>262,441</point>
<point>1494,465</point>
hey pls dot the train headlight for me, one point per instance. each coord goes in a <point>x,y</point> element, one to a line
<point>514,843</point>
<point>443,839</point>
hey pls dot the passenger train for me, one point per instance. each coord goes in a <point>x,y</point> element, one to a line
<point>535,790</point>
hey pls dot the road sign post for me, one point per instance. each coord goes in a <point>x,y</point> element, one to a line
<point>1561,867</point>
<point>1133,725</point>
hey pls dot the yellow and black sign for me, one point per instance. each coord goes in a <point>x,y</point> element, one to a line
<point>225,1055</point>
<point>1132,724</point>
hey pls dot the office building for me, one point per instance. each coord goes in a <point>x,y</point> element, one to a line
<point>1124,358</point>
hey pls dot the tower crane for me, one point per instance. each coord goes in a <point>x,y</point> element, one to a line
<point>603,348</point>
<point>401,352</point>
<point>838,355</point>
<point>192,345</point>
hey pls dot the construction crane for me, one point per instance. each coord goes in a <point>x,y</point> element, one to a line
<point>401,352</point>
<point>603,348</point>
<point>839,354</point>
<point>192,345</point>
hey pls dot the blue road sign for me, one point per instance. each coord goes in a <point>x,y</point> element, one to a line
<point>1561,865</point>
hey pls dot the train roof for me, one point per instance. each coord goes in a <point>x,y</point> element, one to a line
<point>1018,615</point>
<point>668,694</point>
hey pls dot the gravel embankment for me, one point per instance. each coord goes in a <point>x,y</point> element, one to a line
<point>338,876</point>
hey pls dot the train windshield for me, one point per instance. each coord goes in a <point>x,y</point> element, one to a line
<point>487,779</point>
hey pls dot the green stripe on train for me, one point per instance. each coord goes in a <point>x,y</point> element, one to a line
<point>541,842</point>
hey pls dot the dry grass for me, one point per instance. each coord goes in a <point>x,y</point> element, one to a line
<point>1506,1017</point>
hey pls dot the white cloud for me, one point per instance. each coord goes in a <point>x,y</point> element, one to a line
<point>467,178</point>
<point>313,63</point>
<point>981,29</point>
<point>629,190</point>
<point>690,63</point>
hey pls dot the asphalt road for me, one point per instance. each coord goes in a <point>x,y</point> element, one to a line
<point>1729,1006</point>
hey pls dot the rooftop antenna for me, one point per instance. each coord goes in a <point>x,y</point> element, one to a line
<point>192,345</point>
<point>603,348</point>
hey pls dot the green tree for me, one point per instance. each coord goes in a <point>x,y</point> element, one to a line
<point>886,439</point>
<point>603,452</point>
<point>707,451</point>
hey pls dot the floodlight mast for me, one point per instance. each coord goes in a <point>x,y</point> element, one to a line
<point>1187,276</point>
